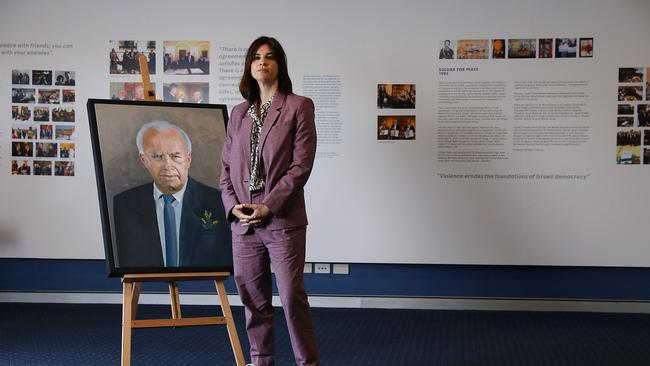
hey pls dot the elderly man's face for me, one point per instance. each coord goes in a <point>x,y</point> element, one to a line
<point>166,158</point>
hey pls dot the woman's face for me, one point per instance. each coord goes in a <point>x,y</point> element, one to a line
<point>264,67</point>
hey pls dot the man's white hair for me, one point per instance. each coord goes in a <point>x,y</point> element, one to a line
<point>159,125</point>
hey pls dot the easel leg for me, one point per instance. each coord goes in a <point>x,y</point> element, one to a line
<point>230,323</point>
<point>135,299</point>
<point>175,300</point>
<point>127,316</point>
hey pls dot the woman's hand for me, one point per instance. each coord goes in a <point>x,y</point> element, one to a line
<point>250,214</point>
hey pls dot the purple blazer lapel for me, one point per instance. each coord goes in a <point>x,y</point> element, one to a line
<point>247,126</point>
<point>272,117</point>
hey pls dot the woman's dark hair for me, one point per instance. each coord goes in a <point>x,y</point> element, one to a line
<point>248,86</point>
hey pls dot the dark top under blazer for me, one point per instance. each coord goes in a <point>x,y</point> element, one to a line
<point>288,146</point>
<point>137,235</point>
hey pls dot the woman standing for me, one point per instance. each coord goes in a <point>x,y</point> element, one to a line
<point>266,161</point>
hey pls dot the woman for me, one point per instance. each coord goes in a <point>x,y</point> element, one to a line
<point>266,161</point>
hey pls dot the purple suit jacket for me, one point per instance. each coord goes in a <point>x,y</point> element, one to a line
<point>288,146</point>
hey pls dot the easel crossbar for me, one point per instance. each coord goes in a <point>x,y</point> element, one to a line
<point>181,322</point>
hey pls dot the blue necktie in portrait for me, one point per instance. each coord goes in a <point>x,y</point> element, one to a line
<point>170,232</point>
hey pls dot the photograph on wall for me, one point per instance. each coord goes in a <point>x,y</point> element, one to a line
<point>586,47</point>
<point>565,47</point>
<point>630,74</point>
<point>46,149</point>
<point>396,96</point>
<point>69,95</point>
<point>66,150</point>
<point>20,77</point>
<point>447,48</point>
<point>522,48</point>
<point>64,168</point>
<point>45,132</point>
<point>21,132</point>
<point>22,149</point>
<point>42,77</point>
<point>21,113</point>
<point>21,167</point>
<point>498,48</point>
<point>23,95</point>
<point>43,167</point>
<point>646,156</point>
<point>64,78</point>
<point>628,147</point>
<point>395,127</point>
<point>186,57</point>
<point>186,92</point>
<point>473,49</point>
<point>157,179</point>
<point>128,91</point>
<point>123,56</point>
<point>630,93</point>
<point>64,132</point>
<point>41,114</point>
<point>65,114</point>
<point>646,137</point>
<point>625,121</point>
<point>49,96</point>
<point>625,109</point>
<point>546,48</point>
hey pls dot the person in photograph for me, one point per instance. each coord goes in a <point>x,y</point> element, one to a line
<point>173,220</point>
<point>382,96</point>
<point>409,131</point>
<point>69,80</point>
<point>197,97</point>
<point>17,149</point>
<point>546,48</point>
<point>115,60</point>
<point>122,94</point>
<point>138,92</point>
<point>498,49</point>
<point>151,64</point>
<point>204,64</point>
<point>383,131</point>
<point>446,52</point>
<point>643,115</point>
<point>172,94</point>
<point>394,131</point>
<point>265,167</point>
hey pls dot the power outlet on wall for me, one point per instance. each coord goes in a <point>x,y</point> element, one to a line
<point>322,268</point>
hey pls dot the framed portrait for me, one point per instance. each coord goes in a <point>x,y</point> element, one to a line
<point>157,166</point>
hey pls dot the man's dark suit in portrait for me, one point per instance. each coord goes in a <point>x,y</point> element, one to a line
<point>201,243</point>
<point>173,221</point>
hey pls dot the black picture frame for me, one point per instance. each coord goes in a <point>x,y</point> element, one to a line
<point>108,129</point>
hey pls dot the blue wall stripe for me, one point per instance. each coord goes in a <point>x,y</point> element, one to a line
<point>526,282</point>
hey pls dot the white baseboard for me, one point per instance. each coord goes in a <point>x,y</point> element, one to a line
<point>490,304</point>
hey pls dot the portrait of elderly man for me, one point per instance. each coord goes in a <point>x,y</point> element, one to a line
<point>174,220</point>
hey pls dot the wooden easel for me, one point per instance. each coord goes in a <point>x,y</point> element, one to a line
<point>131,284</point>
